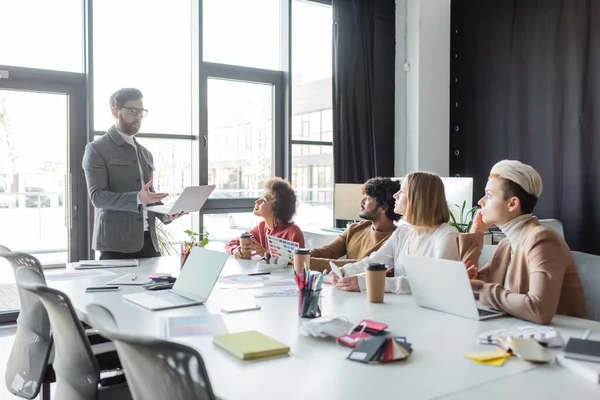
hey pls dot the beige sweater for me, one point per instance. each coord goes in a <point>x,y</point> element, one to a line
<point>543,277</point>
<point>356,243</point>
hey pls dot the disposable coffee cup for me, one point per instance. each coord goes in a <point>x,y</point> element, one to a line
<point>246,239</point>
<point>375,276</point>
<point>301,259</point>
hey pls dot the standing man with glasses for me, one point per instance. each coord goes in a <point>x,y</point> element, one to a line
<point>119,172</point>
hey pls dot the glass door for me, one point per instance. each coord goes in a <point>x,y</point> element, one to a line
<point>40,163</point>
<point>33,174</point>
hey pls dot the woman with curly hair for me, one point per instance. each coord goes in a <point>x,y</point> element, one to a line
<point>277,208</point>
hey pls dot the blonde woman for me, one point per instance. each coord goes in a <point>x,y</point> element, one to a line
<point>422,201</point>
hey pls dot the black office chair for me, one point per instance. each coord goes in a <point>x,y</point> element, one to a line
<point>156,369</point>
<point>75,365</point>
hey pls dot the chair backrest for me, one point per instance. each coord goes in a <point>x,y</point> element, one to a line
<point>588,266</point>
<point>487,252</point>
<point>4,249</point>
<point>155,369</point>
<point>76,368</point>
<point>28,358</point>
<point>554,224</point>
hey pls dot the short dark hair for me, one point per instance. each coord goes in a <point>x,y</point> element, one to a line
<point>122,96</point>
<point>283,199</point>
<point>513,189</point>
<point>383,190</point>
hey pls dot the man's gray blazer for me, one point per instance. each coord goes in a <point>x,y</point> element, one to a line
<point>113,183</point>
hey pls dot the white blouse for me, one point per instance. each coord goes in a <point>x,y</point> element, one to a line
<point>442,243</point>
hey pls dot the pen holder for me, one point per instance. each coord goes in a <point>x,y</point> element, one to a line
<point>309,303</point>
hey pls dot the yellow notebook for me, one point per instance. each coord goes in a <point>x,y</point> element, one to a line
<point>250,344</point>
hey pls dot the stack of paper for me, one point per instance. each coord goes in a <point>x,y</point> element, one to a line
<point>586,369</point>
<point>495,358</point>
<point>92,264</point>
<point>195,325</point>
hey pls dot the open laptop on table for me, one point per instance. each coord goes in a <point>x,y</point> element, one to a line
<point>443,285</point>
<point>193,286</point>
<point>191,200</point>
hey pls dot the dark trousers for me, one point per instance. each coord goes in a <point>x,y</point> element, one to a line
<point>146,252</point>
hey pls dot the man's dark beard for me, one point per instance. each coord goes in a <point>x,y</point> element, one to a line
<point>368,215</point>
<point>128,128</point>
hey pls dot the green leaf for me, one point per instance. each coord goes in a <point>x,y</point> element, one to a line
<point>469,227</point>
<point>453,223</point>
<point>473,211</point>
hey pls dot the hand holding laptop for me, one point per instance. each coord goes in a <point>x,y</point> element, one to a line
<point>173,217</point>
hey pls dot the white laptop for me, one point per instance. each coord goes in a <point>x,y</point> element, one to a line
<point>443,285</point>
<point>191,200</point>
<point>193,286</point>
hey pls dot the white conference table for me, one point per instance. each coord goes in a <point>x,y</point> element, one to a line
<point>318,369</point>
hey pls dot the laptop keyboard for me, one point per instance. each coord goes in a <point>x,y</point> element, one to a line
<point>9,297</point>
<point>171,297</point>
<point>485,313</point>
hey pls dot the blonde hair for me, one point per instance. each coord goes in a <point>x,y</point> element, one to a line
<point>426,200</point>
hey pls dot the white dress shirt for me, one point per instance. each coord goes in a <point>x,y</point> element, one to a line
<point>129,139</point>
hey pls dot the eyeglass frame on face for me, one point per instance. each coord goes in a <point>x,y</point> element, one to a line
<point>135,112</point>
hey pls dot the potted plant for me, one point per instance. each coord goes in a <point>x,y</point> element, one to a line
<point>465,220</point>
<point>165,239</point>
<point>195,239</point>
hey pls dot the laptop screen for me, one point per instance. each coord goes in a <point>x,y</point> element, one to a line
<point>200,273</point>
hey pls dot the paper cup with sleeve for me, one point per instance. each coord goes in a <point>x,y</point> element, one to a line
<point>375,279</point>
<point>301,259</point>
<point>246,239</point>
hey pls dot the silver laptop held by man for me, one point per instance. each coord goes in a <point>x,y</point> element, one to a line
<point>443,285</point>
<point>193,286</point>
<point>191,200</point>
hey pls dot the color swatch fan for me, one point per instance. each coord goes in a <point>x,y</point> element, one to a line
<point>281,248</point>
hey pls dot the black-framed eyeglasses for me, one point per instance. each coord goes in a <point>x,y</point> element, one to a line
<point>135,112</point>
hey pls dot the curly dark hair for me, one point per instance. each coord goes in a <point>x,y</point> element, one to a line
<point>283,199</point>
<point>383,190</point>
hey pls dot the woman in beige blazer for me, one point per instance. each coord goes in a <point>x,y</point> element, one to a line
<point>532,274</point>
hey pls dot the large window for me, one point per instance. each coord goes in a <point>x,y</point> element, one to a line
<point>42,129</point>
<point>243,32</point>
<point>42,34</point>
<point>214,91</point>
<point>240,126</point>
<point>146,45</point>
<point>150,45</point>
<point>312,153</point>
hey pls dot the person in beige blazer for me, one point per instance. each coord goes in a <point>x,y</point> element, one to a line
<point>532,274</point>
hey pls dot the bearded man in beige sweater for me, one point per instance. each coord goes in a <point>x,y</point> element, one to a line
<point>363,238</point>
<point>532,274</point>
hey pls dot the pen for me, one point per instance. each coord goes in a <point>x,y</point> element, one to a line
<point>259,273</point>
<point>133,278</point>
